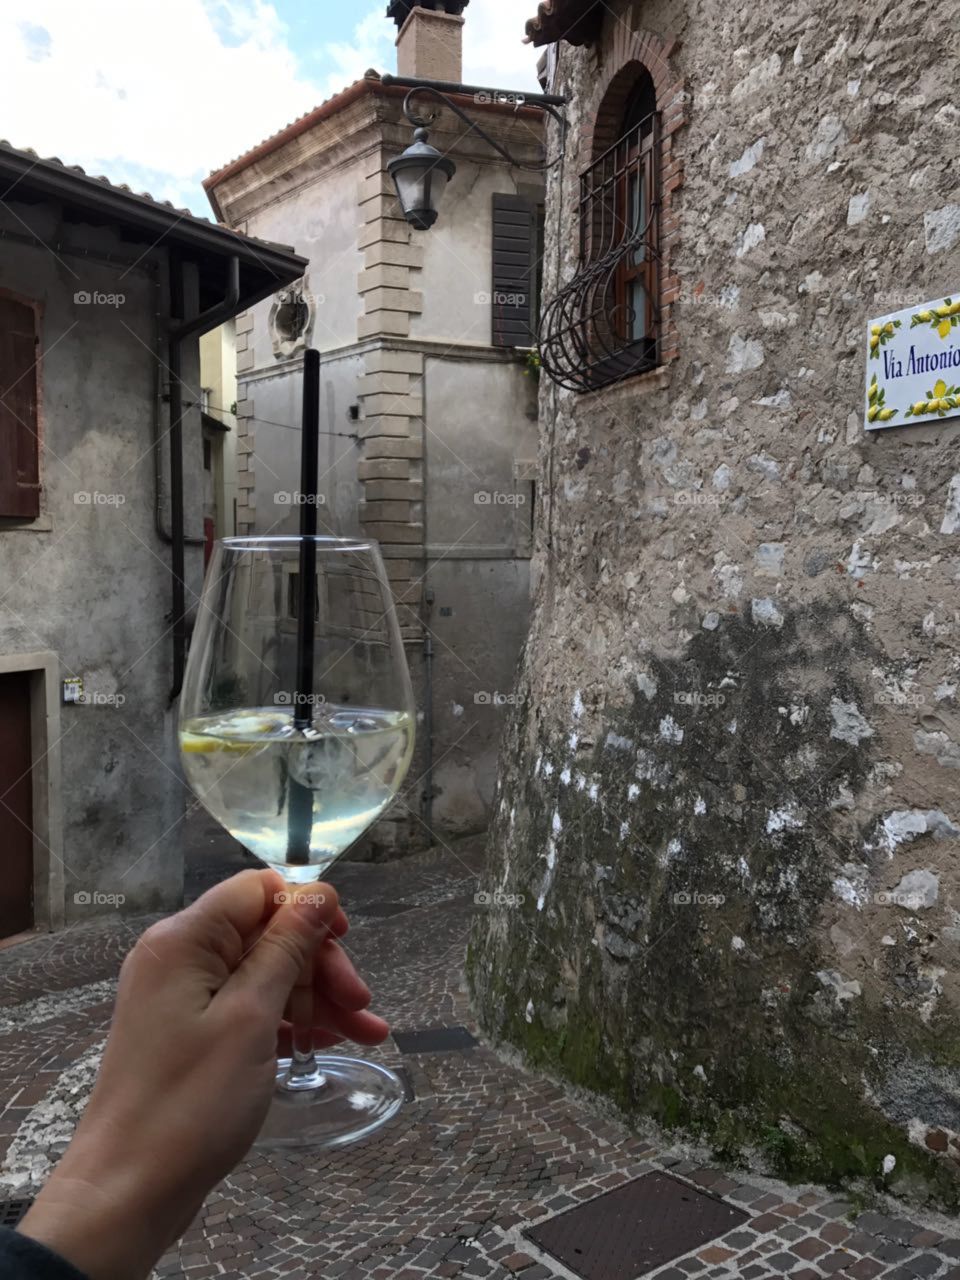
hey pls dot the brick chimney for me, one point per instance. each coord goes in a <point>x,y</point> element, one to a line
<point>430,43</point>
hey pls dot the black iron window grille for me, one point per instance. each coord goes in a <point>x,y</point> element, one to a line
<point>604,325</point>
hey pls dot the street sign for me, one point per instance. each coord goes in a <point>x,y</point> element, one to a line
<point>913,365</point>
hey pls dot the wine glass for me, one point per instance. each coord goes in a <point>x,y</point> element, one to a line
<point>296,731</point>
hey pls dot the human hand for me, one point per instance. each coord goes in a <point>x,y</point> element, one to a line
<point>189,1067</point>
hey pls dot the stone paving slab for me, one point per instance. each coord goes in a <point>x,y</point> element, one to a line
<point>448,1188</point>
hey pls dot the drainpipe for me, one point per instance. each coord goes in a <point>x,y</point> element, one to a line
<point>178,334</point>
<point>428,598</point>
<point>426,618</point>
<point>159,397</point>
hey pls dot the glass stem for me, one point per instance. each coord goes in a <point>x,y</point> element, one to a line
<point>303,1064</point>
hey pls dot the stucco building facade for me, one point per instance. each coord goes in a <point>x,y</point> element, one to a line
<point>428,402</point>
<point>727,823</point>
<point>96,286</point>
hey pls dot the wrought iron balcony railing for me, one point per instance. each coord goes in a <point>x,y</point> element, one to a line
<point>604,325</point>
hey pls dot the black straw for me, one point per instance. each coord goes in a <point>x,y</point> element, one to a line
<point>300,821</point>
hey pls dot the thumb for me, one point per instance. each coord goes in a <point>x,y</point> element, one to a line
<point>284,947</point>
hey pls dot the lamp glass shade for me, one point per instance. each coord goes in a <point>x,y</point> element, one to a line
<point>420,176</point>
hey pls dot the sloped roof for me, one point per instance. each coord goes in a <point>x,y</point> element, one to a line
<point>576,21</point>
<point>371,83</point>
<point>265,267</point>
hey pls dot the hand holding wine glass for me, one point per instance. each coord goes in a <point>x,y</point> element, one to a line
<point>188,1071</point>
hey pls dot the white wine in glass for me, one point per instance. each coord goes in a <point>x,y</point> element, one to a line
<point>296,738</point>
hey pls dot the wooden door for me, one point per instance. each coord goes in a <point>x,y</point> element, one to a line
<point>16,805</point>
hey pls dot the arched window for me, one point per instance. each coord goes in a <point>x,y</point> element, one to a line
<point>618,223</point>
<point>604,325</point>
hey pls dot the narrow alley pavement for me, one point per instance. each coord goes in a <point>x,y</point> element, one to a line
<point>484,1152</point>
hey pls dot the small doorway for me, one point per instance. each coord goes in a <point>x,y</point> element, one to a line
<point>16,804</point>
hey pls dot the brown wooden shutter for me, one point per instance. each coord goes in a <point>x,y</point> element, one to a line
<point>19,443</point>
<point>515,271</point>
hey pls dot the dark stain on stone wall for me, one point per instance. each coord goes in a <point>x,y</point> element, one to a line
<point>676,873</point>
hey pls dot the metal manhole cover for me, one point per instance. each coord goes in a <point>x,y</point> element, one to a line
<point>434,1040</point>
<point>636,1228</point>
<point>11,1211</point>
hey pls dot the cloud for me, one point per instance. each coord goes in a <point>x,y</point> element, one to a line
<point>494,54</point>
<point>161,101</point>
<point>372,46</point>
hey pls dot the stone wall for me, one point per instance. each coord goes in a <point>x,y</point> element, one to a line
<point>728,817</point>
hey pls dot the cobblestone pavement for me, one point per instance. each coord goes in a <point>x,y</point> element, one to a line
<point>449,1187</point>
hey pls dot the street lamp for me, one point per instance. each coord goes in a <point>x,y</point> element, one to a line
<point>421,173</point>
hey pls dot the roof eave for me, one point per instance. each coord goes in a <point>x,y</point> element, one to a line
<point>126,208</point>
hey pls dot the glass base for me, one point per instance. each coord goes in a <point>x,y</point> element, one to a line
<point>346,1101</point>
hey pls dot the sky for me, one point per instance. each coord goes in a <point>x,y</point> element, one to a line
<point>158,96</point>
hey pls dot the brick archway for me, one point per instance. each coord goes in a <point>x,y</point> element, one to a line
<point>631,51</point>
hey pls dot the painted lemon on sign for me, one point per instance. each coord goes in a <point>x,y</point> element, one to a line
<point>938,401</point>
<point>880,335</point>
<point>943,318</point>
<point>877,411</point>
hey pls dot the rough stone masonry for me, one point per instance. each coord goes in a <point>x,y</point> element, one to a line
<point>728,819</point>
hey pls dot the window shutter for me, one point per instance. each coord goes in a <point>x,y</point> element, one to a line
<point>515,271</point>
<point>19,445</point>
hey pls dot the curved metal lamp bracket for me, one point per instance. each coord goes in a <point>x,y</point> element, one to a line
<point>424,122</point>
